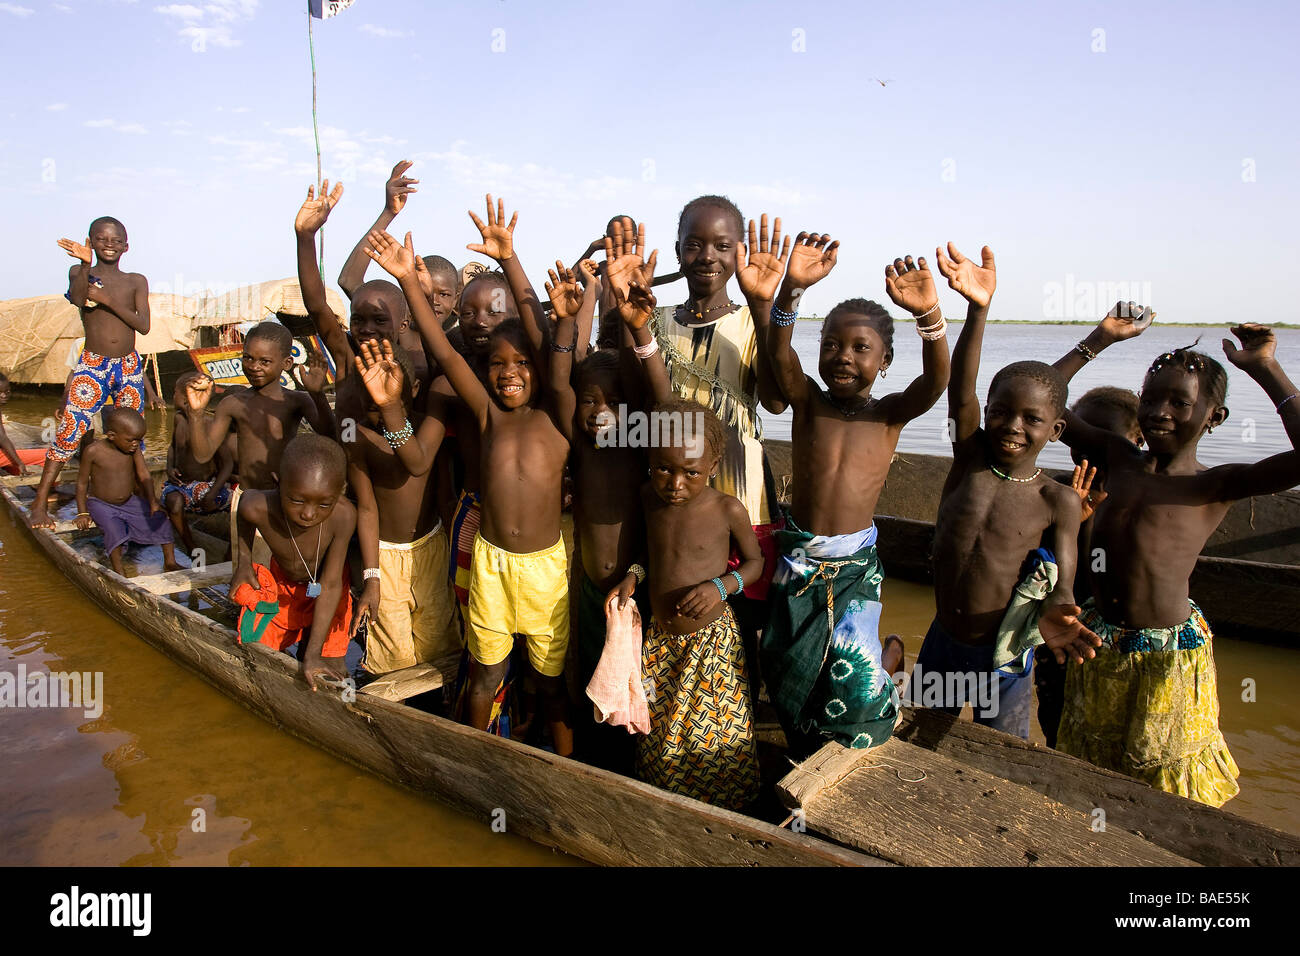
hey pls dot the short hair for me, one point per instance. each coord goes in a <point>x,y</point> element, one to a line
<point>1112,397</point>
<point>101,221</point>
<point>598,362</point>
<point>621,216</point>
<point>315,452</point>
<point>1041,373</point>
<point>438,265</point>
<point>1211,375</point>
<point>877,318</point>
<point>513,330</point>
<point>272,332</point>
<point>714,434</point>
<point>388,290</point>
<point>119,417</point>
<point>714,202</point>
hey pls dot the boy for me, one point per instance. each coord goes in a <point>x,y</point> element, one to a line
<point>519,575</point>
<point>194,486</point>
<point>265,417</point>
<point>112,469</point>
<point>1148,705</point>
<point>114,306</point>
<point>701,741</point>
<point>306,522</point>
<point>995,508</point>
<point>822,658</point>
<point>402,540</point>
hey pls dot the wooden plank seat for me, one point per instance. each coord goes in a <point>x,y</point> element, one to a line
<point>186,579</point>
<point>409,681</point>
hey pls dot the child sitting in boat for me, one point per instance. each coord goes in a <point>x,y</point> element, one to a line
<point>701,741</point>
<point>192,486</point>
<point>412,614</point>
<point>263,417</point>
<point>307,523</point>
<point>519,577</point>
<point>993,514</point>
<point>111,476</point>
<point>822,658</point>
<point>1114,410</point>
<point>1148,705</point>
<point>14,460</point>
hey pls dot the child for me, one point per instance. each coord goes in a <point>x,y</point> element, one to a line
<point>1148,706</point>
<point>193,486</point>
<point>305,589</point>
<point>403,543</point>
<point>995,508</point>
<point>112,469</point>
<point>1114,410</point>
<point>14,460</point>
<point>519,577</point>
<point>264,418</point>
<point>701,741</point>
<point>829,678</point>
<point>114,306</point>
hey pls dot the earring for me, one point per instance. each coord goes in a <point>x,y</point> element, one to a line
<point>1210,430</point>
<point>884,371</point>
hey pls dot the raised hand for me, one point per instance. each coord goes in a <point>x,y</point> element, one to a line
<point>975,283</point>
<point>421,270</point>
<point>566,291</point>
<point>636,305</point>
<point>76,249</point>
<point>380,372</point>
<point>1081,482</point>
<point>498,238</point>
<point>315,210</point>
<point>1126,320</point>
<point>760,266</point>
<point>623,256</point>
<point>911,285</point>
<point>395,258</point>
<point>811,260</point>
<point>311,374</point>
<point>198,392</point>
<point>1258,347</point>
<point>397,188</point>
<point>1065,635</point>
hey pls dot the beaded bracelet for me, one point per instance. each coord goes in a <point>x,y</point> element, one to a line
<point>637,572</point>
<point>555,347</point>
<point>645,351</point>
<point>783,318</point>
<point>400,437</point>
<point>1087,353</point>
<point>370,573</point>
<point>927,311</point>
<point>740,582</point>
<point>722,588</point>
<point>83,514</point>
<point>1279,405</point>
<point>932,333</point>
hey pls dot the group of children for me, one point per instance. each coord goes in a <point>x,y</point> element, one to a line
<point>469,415</point>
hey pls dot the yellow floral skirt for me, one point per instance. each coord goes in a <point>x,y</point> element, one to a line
<point>1151,714</point>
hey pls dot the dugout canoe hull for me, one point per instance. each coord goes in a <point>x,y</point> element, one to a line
<point>584,811</point>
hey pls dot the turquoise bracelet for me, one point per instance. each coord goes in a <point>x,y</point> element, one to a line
<point>722,588</point>
<point>740,582</point>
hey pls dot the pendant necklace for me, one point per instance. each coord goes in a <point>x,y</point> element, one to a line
<point>850,412</point>
<point>1006,477</point>
<point>700,315</point>
<point>313,589</point>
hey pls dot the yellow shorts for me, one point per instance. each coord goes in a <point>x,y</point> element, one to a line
<point>524,594</point>
<point>417,612</point>
<point>261,550</point>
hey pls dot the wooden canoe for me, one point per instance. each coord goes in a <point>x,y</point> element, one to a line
<point>1044,810</point>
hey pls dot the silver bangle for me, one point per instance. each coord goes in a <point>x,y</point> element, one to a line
<point>370,573</point>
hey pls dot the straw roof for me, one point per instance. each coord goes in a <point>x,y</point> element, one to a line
<point>38,335</point>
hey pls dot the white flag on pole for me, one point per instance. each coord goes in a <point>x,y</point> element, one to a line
<point>324,9</point>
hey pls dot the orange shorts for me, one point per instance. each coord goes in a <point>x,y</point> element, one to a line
<point>292,612</point>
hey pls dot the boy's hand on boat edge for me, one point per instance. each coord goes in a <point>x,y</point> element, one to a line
<point>318,671</point>
<point>1065,636</point>
<point>83,522</point>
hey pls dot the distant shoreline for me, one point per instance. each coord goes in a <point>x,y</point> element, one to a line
<point>1087,322</point>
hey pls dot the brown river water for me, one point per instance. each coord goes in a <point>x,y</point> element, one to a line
<point>123,787</point>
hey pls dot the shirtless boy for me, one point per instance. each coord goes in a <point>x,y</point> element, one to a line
<point>194,486</point>
<point>114,307</point>
<point>265,417</point>
<point>995,509</point>
<point>307,523</point>
<point>111,474</point>
<point>833,681</point>
<point>701,741</point>
<point>402,540</point>
<point>519,579</point>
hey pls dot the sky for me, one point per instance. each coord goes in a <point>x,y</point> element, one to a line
<point>1103,150</point>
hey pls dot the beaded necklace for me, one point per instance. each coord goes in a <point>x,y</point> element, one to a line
<point>1005,477</point>
<point>700,315</point>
